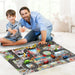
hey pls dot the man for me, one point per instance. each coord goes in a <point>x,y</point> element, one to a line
<point>40,27</point>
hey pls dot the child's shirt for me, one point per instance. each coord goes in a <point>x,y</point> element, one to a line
<point>15,26</point>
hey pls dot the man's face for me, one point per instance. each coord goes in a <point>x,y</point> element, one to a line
<point>25,15</point>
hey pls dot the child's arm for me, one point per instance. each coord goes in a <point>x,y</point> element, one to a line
<point>10,30</point>
<point>13,31</point>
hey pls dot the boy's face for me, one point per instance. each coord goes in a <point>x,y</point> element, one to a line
<point>25,14</point>
<point>11,18</point>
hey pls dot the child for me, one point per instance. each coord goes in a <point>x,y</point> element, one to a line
<point>12,27</point>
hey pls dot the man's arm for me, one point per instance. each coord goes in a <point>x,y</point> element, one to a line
<point>22,29</point>
<point>43,34</point>
<point>43,39</point>
<point>42,25</point>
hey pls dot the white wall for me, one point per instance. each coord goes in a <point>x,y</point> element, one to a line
<point>73,11</point>
<point>47,9</point>
<point>11,4</point>
<point>41,6</point>
<point>65,7</point>
<point>63,21</point>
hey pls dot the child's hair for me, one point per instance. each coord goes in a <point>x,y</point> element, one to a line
<point>10,12</point>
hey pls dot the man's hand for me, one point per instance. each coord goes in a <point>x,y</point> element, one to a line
<point>22,29</point>
<point>42,42</point>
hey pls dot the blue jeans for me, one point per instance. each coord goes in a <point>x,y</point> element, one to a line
<point>31,36</point>
<point>14,39</point>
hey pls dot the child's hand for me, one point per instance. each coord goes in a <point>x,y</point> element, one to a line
<point>14,31</point>
<point>22,29</point>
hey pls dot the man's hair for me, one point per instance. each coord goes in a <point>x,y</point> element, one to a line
<point>24,8</point>
<point>10,12</point>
